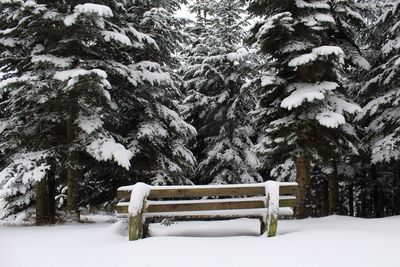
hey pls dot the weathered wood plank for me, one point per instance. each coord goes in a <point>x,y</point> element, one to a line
<point>123,194</point>
<point>291,203</point>
<point>155,219</point>
<point>205,206</point>
<point>122,208</point>
<point>219,204</point>
<point>213,214</point>
<point>209,191</point>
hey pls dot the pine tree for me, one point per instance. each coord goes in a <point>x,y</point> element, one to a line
<point>21,119</point>
<point>151,122</point>
<point>303,115</point>
<point>380,97</point>
<point>68,68</point>
<point>217,102</point>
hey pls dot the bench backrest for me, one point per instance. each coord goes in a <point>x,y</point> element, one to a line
<point>191,198</point>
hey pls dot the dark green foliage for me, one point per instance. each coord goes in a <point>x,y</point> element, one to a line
<point>303,109</point>
<point>217,101</point>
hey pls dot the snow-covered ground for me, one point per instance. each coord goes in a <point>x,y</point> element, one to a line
<point>326,242</point>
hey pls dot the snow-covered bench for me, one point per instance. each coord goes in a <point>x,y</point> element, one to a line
<point>144,204</point>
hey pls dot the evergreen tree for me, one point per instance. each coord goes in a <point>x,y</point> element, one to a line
<point>217,102</point>
<point>75,74</point>
<point>150,120</point>
<point>303,115</point>
<point>380,97</point>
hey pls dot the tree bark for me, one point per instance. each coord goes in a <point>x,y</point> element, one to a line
<point>325,204</point>
<point>72,195</point>
<point>51,189</point>
<point>304,189</point>
<point>363,202</point>
<point>72,179</point>
<point>351,200</point>
<point>376,195</point>
<point>333,191</point>
<point>41,202</point>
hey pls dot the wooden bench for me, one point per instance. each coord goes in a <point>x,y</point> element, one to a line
<point>145,204</point>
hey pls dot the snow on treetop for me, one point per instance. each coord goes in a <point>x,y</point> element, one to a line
<point>284,18</point>
<point>151,72</point>
<point>238,55</point>
<point>361,62</point>
<point>100,10</point>
<point>88,8</point>
<point>313,4</point>
<point>386,149</point>
<point>317,21</point>
<point>105,148</point>
<point>355,15</point>
<point>151,130</point>
<point>89,124</point>
<point>26,167</point>
<point>330,119</point>
<point>344,106</point>
<point>307,91</point>
<point>294,46</point>
<point>10,42</point>
<point>299,96</point>
<point>326,50</point>
<point>394,27</point>
<point>23,78</point>
<point>268,80</point>
<point>324,18</point>
<point>315,53</point>
<point>116,36</point>
<point>72,76</point>
<point>68,74</point>
<point>9,1</point>
<point>302,60</point>
<point>374,105</point>
<point>4,125</point>
<point>142,36</point>
<point>390,46</point>
<point>56,61</point>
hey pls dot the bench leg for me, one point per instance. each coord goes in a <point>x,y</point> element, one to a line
<point>135,227</point>
<point>262,227</point>
<point>272,225</point>
<point>145,230</point>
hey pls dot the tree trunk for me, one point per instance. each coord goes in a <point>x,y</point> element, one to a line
<point>304,190</point>
<point>51,189</point>
<point>363,196</point>
<point>72,179</point>
<point>72,195</point>
<point>351,199</point>
<point>376,195</point>
<point>41,202</point>
<point>396,194</point>
<point>333,184</point>
<point>325,199</point>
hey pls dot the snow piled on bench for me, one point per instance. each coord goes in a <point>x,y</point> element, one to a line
<point>139,192</point>
<point>173,187</point>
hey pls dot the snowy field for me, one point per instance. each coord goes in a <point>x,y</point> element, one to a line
<point>325,242</point>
